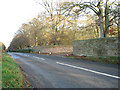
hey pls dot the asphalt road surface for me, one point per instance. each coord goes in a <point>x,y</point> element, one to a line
<point>46,71</point>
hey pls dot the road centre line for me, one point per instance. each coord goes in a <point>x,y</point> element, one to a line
<point>38,58</point>
<point>42,58</point>
<point>85,69</point>
<point>25,55</point>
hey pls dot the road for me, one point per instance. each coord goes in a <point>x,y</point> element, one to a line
<point>46,71</point>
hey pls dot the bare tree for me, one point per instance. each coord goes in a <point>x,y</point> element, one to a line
<point>97,7</point>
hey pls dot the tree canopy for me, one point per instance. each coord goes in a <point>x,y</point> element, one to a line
<point>64,22</point>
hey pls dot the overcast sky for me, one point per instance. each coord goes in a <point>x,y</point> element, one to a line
<point>12,14</point>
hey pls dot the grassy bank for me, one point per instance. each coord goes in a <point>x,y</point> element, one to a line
<point>12,76</point>
<point>0,75</point>
<point>109,60</point>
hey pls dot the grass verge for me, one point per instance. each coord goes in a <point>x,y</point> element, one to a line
<point>12,76</point>
<point>109,60</point>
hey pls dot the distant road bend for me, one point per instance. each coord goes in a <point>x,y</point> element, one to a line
<point>55,72</point>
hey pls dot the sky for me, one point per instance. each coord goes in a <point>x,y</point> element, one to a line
<point>12,14</point>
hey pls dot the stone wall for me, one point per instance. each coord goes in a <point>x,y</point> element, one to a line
<point>96,47</point>
<point>53,49</point>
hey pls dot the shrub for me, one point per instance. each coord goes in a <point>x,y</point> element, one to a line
<point>22,50</point>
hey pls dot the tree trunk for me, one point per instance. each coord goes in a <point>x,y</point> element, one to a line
<point>101,19</point>
<point>101,26</point>
<point>118,26</point>
<point>106,18</point>
<point>36,41</point>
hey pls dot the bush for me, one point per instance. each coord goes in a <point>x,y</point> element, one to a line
<point>22,50</point>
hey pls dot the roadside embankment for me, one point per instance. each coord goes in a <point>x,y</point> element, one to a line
<point>12,76</point>
<point>0,65</point>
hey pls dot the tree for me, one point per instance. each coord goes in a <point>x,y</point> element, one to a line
<point>97,7</point>
<point>51,7</point>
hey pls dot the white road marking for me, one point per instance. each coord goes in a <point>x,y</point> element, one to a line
<point>34,56</point>
<point>105,74</point>
<point>26,55</point>
<point>42,58</point>
<point>38,58</point>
